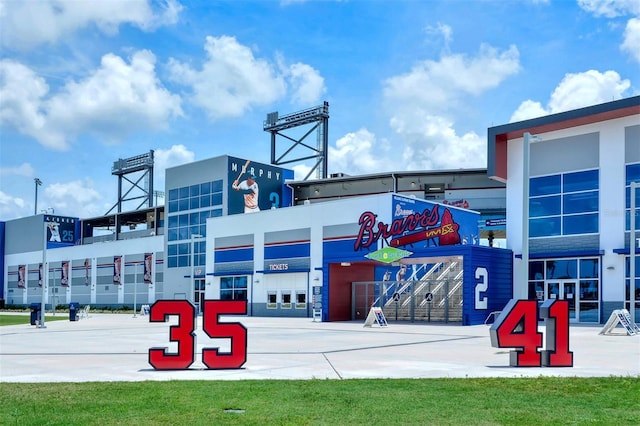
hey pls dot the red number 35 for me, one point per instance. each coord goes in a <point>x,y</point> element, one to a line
<point>517,327</point>
<point>183,334</point>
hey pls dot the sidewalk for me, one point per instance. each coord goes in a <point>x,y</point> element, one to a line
<point>114,347</point>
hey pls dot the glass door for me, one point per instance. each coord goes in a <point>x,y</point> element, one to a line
<point>199,294</point>
<point>564,290</point>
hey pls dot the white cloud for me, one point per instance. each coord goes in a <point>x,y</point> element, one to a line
<point>441,29</point>
<point>12,207</point>
<point>300,171</point>
<point>77,198</point>
<point>425,99</point>
<point>359,153</point>
<point>431,143</point>
<point>53,20</point>
<point>576,91</point>
<point>610,8</point>
<point>21,93</point>
<point>24,169</point>
<point>114,101</point>
<point>166,158</point>
<point>306,83</point>
<point>438,85</point>
<point>617,8</point>
<point>231,81</point>
<point>631,43</point>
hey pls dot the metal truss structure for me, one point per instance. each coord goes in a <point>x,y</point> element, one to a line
<point>318,118</point>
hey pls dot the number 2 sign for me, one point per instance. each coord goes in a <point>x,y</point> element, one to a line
<point>517,327</point>
<point>183,334</point>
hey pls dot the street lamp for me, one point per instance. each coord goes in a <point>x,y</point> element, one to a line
<point>135,287</point>
<point>38,182</point>
<point>45,272</point>
<point>632,254</point>
<point>527,138</point>
<point>193,267</point>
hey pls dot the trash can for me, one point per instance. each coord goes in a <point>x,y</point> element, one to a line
<point>35,313</point>
<point>73,311</point>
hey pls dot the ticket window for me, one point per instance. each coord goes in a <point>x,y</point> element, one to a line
<point>301,299</point>
<point>286,299</point>
<point>272,300</point>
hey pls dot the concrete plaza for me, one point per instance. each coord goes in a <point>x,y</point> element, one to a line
<point>114,347</point>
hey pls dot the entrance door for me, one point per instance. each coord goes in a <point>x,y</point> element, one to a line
<point>564,290</point>
<point>199,294</point>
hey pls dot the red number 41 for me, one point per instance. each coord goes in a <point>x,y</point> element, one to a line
<point>517,327</point>
<point>183,334</point>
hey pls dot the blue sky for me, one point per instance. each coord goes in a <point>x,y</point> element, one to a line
<point>412,85</point>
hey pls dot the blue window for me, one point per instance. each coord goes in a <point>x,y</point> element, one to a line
<point>173,194</point>
<point>216,213</point>
<point>632,175</point>
<point>172,249</point>
<point>205,188</point>
<point>544,206</point>
<point>172,235</point>
<point>545,185</point>
<point>216,186</point>
<point>173,222</point>
<point>548,226</point>
<point>183,261</point>
<point>194,218</point>
<point>183,205</point>
<point>194,203</point>
<point>183,220</point>
<point>205,200</point>
<point>589,268</point>
<point>194,190</point>
<point>580,181</point>
<point>580,202</point>
<point>184,192</point>
<point>173,206</point>
<point>564,204</point>
<point>560,269</point>
<point>173,262</point>
<point>216,199</point>
<point>233,288</point>
<point>184,248</point>
<point>580,224</point>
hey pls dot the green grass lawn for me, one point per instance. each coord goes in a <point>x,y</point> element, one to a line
<point>26,318</point>
<point>488,401</point>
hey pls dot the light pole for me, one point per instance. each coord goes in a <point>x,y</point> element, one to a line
<point>135,287</point>
<point>526,148</point>
<point>193,267</point>
<point>38,182</point>
<point>632,254</point>
<point>45,271</point>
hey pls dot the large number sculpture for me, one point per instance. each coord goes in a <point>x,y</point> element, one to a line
<point>517,327</point>
<point>183,334</point>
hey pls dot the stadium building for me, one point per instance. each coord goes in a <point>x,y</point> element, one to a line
<point>423,245</point>
<point>569,178</point>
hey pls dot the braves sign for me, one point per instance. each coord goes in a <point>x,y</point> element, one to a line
<point>415,221</point>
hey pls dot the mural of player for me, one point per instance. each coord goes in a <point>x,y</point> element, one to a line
<point>87,266</point>
<point>148,264</point>
<point>249,189</point>
<point>54,228</point>
<point>64,274</point>
<point>22,270</point>
<point>117,269</point>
